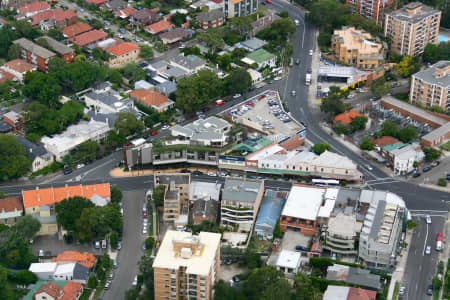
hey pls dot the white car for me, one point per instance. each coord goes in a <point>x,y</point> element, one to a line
<point>369,167</point>
<point>310,52</point>
<point>277,78</point>
<point>144,230</point>
<point>212,174</point>
<point>428,219</point>
<point>165,127</point>
<point>297,22</point>
<point>134,281</point>
<point>79,166</point>
<point>236,96</point>
<point>428,250</point>
<point>293,93</point>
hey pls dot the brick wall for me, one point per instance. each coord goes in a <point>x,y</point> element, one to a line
<point>293,142</point>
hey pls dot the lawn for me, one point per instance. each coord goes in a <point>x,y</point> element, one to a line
<point>446,146</point>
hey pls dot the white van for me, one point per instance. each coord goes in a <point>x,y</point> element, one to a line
<point>439,245</point>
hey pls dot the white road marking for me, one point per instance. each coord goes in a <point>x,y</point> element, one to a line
<point>425,244</point>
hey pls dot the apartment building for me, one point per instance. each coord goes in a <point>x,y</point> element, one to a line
<point>237,8</point>
<point>18,68</point>
<point>382,228</point>
<point>122,54</point>
<point>34,54</point>
<point>371,9</point>
<point>412,27</point>
<point>212,18</point>
<point>431,87</point>
<point>187,266</point>
<point>176,196</point>
<point>240,202</point>
<point>358,48</point>
<point>63,51</point>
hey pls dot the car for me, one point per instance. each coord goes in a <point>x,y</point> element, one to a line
<point>164,127</point>
<point>79,166</point>
<point>143,64</point>
<point>144,230</point>
<point>263,3</point>
<point>402,291</point>
<point>104,244</point>
<point>67,171</point>
<point>201,116</point>
<point>219,102</point>
<point>439,236</point>
<point>428,250</point>
<point>369,167</point>
<point>310,52</point>
<point>435,163</point>
<point>293,93</point>
<point>297,22</point>
<point>97,244</point>
<point>107,285</point>
<point>277,78</point>
<point>111,276</point>
<point>236,96</point>
<point>116,264</point>
<point>430,290</point>
<point>197,173</point>
<point>268,2</point>
<point>121,37</point>
<point>41,253</point>
<point>448,176</point>
<point>144,247</point>
<point>185,171</point>
<point>119,245</point>
<point>121,212</point>
<point>333,256</point>
<point>134,283</point>
<point>212,174</point>
<point>297,61</point>
<point>154,132</point>
<point>236,279</point>
<point>228,261</point>
<point>428,219</point>
<point>416,174</point>
<point>300,248</point>
<point>426,169</point>
<point>180,228</point>
<point>144,214</point>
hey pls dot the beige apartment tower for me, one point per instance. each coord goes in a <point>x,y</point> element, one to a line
<point>412,27</point>
<point>358,48</point>
<point>431,87</point>
<point>187,266</point>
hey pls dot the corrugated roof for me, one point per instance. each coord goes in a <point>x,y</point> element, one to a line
<point>241,190</point>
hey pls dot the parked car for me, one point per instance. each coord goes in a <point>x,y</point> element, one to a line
<point>310,52</point>
<point>197,173</point>
<point>416,174</point>
<point>402,291</point>
<point>435,163</point>
<point>154,133</point>
<point>430,290</point>
<point>164,127</point>
<point>107,285</point>
<point>97,244</point>
<point>426,169</point>
<point>119,245</point>
<point>111,276</point>
<point>300,248</point>
<point>67,171</point>
<point>104,244</point>
<point>219,102</point>
<point>144,230</point>
<point>79,166</point>
<point>293,93</point>
<point>236,96</point>
<point>236,279</point>
<point>428,219</point>
<point>369,167</point>
<point>41,253</point>
<point>134,281</point>
<point>116,264</point>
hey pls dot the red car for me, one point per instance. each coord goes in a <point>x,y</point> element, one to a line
<point>439,236</point>
<point>268,2</point>
<point>219,102</point>
<point>144,214</point>
<point>154,133</point>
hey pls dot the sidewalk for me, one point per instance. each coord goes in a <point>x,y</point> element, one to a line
<point>445,254</point>
<point>119,172</point>
<point>397,275</point>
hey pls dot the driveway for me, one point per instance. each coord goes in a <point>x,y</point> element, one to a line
<point>131,251</point>
<point>55,246</point>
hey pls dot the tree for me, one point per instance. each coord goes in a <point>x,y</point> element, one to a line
<point>408,66</point>
<point>389,129</point>
<point>279,289</point>
<point>224,61</point>
<point>277,230</point>
<point>26,227</point>
<point>149,242</point>
<point>116,195</point>
<point>55,64</point>
<point>239,81</point>
<point>2,195</point>
<point>158,195</point>
<point>127,124</point>
<point>13,160</point>
<point>92,282</point>
<point>212,39</point>
<point>241,25</point>
<point>24,277</point>
<point>69,211</point>
<point>14,52</point>
<point>86,151</point>
<point>178,19</point>
<point>115,76</point>
<point>320,148</point>
<point>146,51</point>
<point>430,53</point>
<point>431,154</point>
<point>97,222</point>
<point>114,239</point>
<point>442,182</point>
<point>223,291</point>
<point>379,87</point>
<point>134,72</point>
<point>43,87</point>
<point>407,134</point>
<point>6,291</point>
<point>366,144</point>
<point>304,289</point>
<point>251,259</point>
<point>259,279</point>
<point>332,105</point>
<point>277,33</point>
<point>358,123</point>
<point>96,23</point>
<point>56,34</point>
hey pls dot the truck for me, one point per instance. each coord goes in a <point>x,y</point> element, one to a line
<point>308,78</point>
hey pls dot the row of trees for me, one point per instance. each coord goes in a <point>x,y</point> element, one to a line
<point>406,134</point>
<point>433,53</point>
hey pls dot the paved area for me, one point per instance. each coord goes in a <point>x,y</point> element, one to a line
<point>55,246</point>
<point>228,271</point>
<point>291,239</point>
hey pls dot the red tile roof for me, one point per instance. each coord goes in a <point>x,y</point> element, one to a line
<point>85,259</point>
<point>148,98</point>
<point>53,14</point>
<point>176,34</point>
<point>158,27</point>
<point>51,289</point>
<point>11,204</point>
<point>76,29</point>
<point>361,294</point>
<point>49,196</point>
<point>5,76</point>
<point>3,21</point>
<point>126,12</point>
<point>89,37</point>
<point>32,7</point>
<point>123,48</point>
<point>384,140</point>
<point>71,290</point>
<point>96,2</point>
<point>347,117</point>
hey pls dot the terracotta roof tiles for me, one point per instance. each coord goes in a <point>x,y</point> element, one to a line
<point>89,37</point>
<point>159,27</point>
<point>52,289</point>
<point>11,204</point>
<point>126,12</point>
<point>85,259</point>
<point>384,140</point>
<point>361,294</point>
<point>347,117</point>
<point>76,29</point>
<point>32,7</point>
<point>19,65</point>
<point>148,98</point>
<point>71,290</point>
<point>123,48</point>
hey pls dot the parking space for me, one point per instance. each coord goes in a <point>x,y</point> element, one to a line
<point>291,239</point>
<point>53,246</point>
<point>228,271</point>
<point>265,113</point>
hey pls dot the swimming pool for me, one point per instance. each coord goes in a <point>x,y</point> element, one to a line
<point>443,38</point>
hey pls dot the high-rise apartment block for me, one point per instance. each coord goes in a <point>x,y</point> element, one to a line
<point>412,27</point>
<point>187,266</point>
<point>431,87</point>
<point>371,9</point>
<point>237,8</point>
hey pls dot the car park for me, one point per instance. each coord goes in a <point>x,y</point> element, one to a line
<point>428,219</point>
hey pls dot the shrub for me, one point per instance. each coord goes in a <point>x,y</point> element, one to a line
<point>442,182</point>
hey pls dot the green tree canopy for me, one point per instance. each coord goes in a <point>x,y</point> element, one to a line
<point>178,19</point>
<point>26,227</point>
<point>389,129</point>
<point>320,148</point>
<point>56,34</point>
<point>14,52</point>
<point>146,52</point>
<point>239,81</point>
<point>96,222</point>
<point>278,32</point>
<point>359,123</point>
<point>408,66</point>
<point>69,211</point>
<point>13,160</point>
<point>379,87</point>
<point>55,64</point>
<point>127,124</point>
<point>43,87</point>
<point>407,134</point>
<point>116,195</point>
<point>87,151</point>
<point>115,76</point>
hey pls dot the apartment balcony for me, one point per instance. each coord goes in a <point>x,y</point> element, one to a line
<point>340,251</point>
<point>237,209</point>
<point>342,246</point>
<point>230,220</point>
<point>341,238</point>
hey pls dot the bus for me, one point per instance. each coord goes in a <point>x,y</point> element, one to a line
<point>325,182</point>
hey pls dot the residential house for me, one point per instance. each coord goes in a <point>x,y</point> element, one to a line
<point>238,8</point>
<point>61,144</point>
<point>37,153</point>
<point>76,29</point>
<point>126,12</point>
<point>337,292</point>
<point>54,18</point>
<point>365,52</point>
<point>288,261</point>
<point>34,54</point>
<point>11,208</point>
<point>269,213</point>
<point>55,290</point>
<point>97,3</point>
<point>208,4</point>
<point>115,5</point>
<point>191,64</point>
<point>261,58</point>
<point>383,141</point>
<point>108,43</point>
<point>240,203</point>
<point>15,120</point>
<point>372,9</point>
<point>31,9</point>
<point>158,27</point>
<point>210,19</point>
<point>88,39</point>
<point>13,5</point>
<point>174,35</point>
<point>63,51</point>
<point>152,99</point>
<point>4,75</point>
<point>347,117</point>
<point>123,54</point>
<point>40,203</point>
<point>354,276</point>
<point>402,159</point>
<point>412,27</point>
<point>167,87</point>
<point>252,44</point>
<point>43,271</point>
<point>255,75</point>
<point>143,84</point>
<point>144,17</point>
<point>204,198</point>
<point>108,103</point>
<point>85,259</point>
<point>194,260</point>
<point>72,271</point>
<point>18,68</point>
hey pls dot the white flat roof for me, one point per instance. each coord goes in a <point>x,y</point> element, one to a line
<point>289,259</point>
<point>65,268</point>
<point>325,210</point>
<point>204,190</point>
<point>42,267</point>
<point>303,202</point>
<point>331,193</point>
<point>265,152</point>
<point>199,263</point>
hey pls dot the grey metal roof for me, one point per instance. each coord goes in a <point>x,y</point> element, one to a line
<point>105,118</point>
<point>402,13</point>
<point>178,179</point>
<point>363,278</point>
<point>344,195</point>
<point>204,208</point>
<point>429,76</point>
<point>32,150</point>
<point>34,48</point>
<point>190,62</point>
<point>437,133</point>
<point>254,43</point>
<point>209,16</point>
<point>59,47</point>
<point>167,87</point>
<point>175,72</point>
<point>171,195</point>
<point>200,190</point>
<point>207,129</point>
<point>241,190</point>
<point>80,272</point>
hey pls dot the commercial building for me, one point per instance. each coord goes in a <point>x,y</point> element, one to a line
<point>240,202</point>
<point>176,196</point>
<point>412,27</point>
<point>152,99</point>
<point>237,8</point>
<point>260,57</point>
<point>402,159</point>
<point>63,51</point>
<point>34,54</point>
<point>336,292</point>
<point>39,156</point>
<point>210,19</point>
<point>269,213</point>
<point>123,54</point>
<point>187,266</point>
<point>431,87</point>
<point>342,233</point>
<point>61,144</point>
<point>437,136</point>
<point>382,228</point>
<point>358,48</point>
<point>11,209</point>
<point>372,9</point>
<point>18,68</point>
